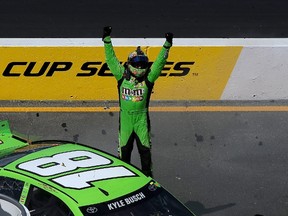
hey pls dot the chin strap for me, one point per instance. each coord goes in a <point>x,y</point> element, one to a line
<point>127,74</point>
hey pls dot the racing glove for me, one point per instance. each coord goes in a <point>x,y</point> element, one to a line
<point>169,37</point>
<point>106,31</point>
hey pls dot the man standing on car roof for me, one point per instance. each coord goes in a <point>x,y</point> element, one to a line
<point>135,84</point>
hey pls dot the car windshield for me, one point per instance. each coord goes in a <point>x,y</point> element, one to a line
<point>150,200</point>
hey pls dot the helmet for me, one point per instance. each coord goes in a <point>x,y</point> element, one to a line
<point>138,63</point>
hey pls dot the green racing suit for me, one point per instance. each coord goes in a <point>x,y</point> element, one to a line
<point>134,96</point>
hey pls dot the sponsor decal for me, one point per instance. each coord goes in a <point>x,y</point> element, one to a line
<point>91,210</point>
<point>134,95</point>
<point>24,193</point>
<point>80,73</point>
<point>153,186</point>
<point>88,69</point>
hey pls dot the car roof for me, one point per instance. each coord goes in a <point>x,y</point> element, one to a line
<point>85,174</point>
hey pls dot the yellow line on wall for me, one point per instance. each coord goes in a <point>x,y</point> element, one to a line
<point>152,109</point>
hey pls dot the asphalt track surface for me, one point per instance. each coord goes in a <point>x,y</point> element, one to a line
<point>217,162</point>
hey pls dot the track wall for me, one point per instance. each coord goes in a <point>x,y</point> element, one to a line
<point>197,69</point>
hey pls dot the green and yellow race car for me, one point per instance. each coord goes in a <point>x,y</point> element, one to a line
<point>59,178</point>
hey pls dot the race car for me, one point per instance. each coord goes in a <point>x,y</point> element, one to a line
<point>62,178</point>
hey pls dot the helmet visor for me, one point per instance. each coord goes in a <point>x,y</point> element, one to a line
<point>140,62</point>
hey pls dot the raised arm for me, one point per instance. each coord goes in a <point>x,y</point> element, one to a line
<point>110,57</point>
<point>161,59</point>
